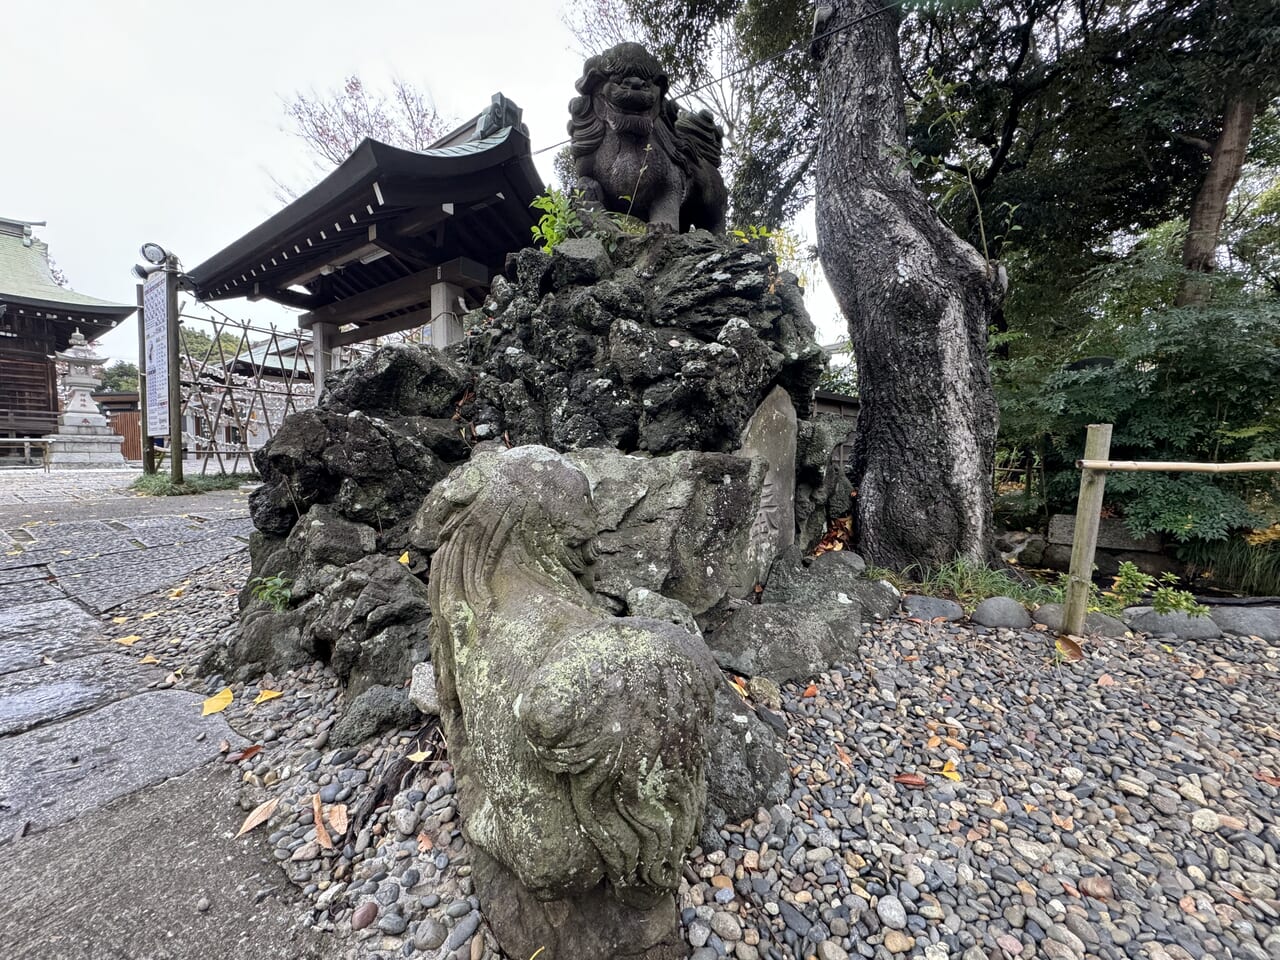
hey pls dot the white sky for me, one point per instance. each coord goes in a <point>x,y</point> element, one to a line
<point>125,122</point>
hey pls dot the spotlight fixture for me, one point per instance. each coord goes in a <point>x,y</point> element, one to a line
<point>154,253</point>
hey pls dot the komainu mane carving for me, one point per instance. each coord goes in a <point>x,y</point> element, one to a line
<point>637,152</point>
<point>577,737</point>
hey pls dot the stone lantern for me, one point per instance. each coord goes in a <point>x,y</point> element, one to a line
<point>84,438</point>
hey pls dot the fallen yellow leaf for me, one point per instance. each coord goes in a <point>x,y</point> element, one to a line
<point>404,558</point>
<point>218,702</point>
<point>259,815</point>
<point>949,770</point>
<point>419,756</point>
<point>175,593</point>
<point>149,614</point>
<point>119,619</point>
<point>265,695</point>
<point>149,659</point>
<point>128,641</point>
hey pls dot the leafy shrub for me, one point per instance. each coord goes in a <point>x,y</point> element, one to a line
<point>1178,383</point>
<point>559,221</point>
<point>275,592</point>
<point>1131,587</point>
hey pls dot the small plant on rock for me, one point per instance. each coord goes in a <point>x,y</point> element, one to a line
<point>275,592</point>
<point>559,220</point>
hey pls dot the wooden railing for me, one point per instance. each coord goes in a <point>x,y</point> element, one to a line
<point>26,445</point>
<point>1094,467</point>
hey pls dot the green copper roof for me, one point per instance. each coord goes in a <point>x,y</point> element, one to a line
<point>26,279</point>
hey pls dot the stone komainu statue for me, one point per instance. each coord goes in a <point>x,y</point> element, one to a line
<point>636,152</point>
<point>577,736</point>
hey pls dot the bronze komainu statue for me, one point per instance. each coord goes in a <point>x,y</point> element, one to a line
<point>637,152</point>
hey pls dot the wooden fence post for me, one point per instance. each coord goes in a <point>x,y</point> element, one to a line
<point>1084,542</point>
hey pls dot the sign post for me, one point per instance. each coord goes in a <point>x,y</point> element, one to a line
<point>148,451</point>
<point>163,415</point>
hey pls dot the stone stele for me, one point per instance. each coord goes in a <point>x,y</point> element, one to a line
<point>577,738</point>
<point>771,436</point>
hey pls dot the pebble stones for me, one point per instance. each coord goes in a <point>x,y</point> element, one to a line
<point>1090,819</point>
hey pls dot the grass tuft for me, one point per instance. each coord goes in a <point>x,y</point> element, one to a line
<point>161,485</point>
<point>967,583</point>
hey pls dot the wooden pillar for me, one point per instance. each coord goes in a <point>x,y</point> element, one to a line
<point>322,335</point>
<point>1084,541</point>
<point>446,327</point>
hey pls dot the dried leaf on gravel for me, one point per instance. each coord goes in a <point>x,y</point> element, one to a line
<point>843,756</point>
<point>338,817</point>
<point>404,558</point>
<point>317,813</point>
<point>150,614</point>
<point>1097,887</point>
<point>914,780</point>
<point>265,695</point>
<point>150,658</point>
<point>1106,680</point>
<point>419,756</point>
<point>128,641</point>
<point>1266,776</point>
<point>424,843</point>
<point>218,702</point>
<point>244,754</point>
<point>119,619</point>
<point>1070,648</point>
<point>810,691</point>
<point>224,746</point>
<point>949,770</point>
<point>933,743</point>
<point>260,815</point>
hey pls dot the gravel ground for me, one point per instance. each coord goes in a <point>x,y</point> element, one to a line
<point>1123,806</point>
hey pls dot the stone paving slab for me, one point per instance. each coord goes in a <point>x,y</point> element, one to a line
<point>36,486</point>
<point>127,881</point>
<point>57,629</point>
<point>28,591</point>
<point>54,773</point>
<point>46,694</point>
<point>101,583</point>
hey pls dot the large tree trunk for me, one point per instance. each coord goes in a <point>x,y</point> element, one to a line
<point>1210,206</point>
<point>918,300</point>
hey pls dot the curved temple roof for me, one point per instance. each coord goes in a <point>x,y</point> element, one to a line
<point>27,286</point>
<point>452,212</point>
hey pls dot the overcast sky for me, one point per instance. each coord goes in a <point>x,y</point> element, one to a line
<point>127,122</point>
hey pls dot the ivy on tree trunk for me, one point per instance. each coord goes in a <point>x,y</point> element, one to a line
<point>918,300</point>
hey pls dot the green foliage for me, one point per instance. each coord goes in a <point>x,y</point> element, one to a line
<point>202,348</point>
<point>275,592</point>
<point>1178,383</point>
<point>121,377</point>
<point>559,221</point>
<point>1236,564</point>
<point>1131,586</point>
<point>161,485</point>
<point>968,583</point>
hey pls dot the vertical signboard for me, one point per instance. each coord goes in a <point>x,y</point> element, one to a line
<point>155,304</point>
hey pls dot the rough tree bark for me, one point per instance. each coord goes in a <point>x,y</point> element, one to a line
<point>918,300</point>
<point>1210,205</point>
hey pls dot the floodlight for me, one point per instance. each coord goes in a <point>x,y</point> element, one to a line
<point>154,253</point>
